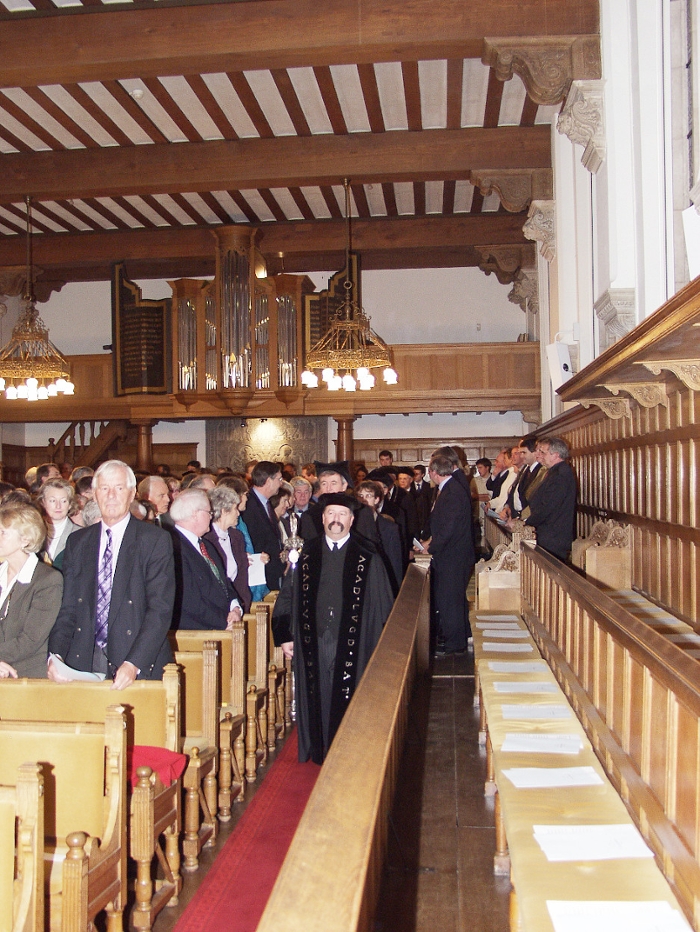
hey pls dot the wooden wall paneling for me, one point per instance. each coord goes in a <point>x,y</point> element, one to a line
<point>658,740</point>
<point>635,732</point>
<point>686,789</point>
<point>599,671</point>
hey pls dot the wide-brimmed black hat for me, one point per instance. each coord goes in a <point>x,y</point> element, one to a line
<point>339,498</point>
<point>383,476</point>
<point>342,469</point>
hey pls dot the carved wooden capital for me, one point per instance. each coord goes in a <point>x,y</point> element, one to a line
<point>687,370</point>
<point>540,226</point>
<point>525,291</point>
<point>504,261</point>
<point>516,187</point>
<point>546,65</point>
<point>647,394</point>
<point>581,119</point>
<point>614,408</point>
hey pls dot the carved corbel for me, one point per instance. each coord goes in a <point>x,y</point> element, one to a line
<point>44,290</point>
<point>540,227</point>
<point>615,309</point>
<point>647,394</point>
<point>525,291</point>
<point>614,408</point>
<point>503,261</point>
<point>546,65</point>
<point>687,370</point>
<point>516,187</point>
<point>581,119</point>
<point>12,279</point>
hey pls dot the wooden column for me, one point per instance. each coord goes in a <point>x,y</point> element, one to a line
<point>144,447</point>
<point>344,444</point>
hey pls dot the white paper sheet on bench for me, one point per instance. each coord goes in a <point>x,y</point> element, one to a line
<point>497,617</point>
<point>498,625</point>
<point>590,842</point>
<point>548,777</point>
<point>517,743</point>
<point>615,916</point>
<point>517,666</point>
<point>507,648</point>
<point>526,687</point>
<point>510,633</point>
<point>531,712</point>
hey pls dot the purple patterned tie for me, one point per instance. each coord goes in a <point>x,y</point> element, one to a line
<point>104,593</point>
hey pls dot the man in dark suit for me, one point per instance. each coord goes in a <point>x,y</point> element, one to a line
<point>517,497</point>
<point>452,548</point>
<point>118,589</point>
<point>553,503</point>
<point>421,493</point>
<point>261,522</point>
<point>204,596</point>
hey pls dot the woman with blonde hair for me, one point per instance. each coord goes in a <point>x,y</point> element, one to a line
<point>30,593</point>
<point>57,500</point>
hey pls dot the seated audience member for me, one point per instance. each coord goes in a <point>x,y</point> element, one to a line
<point>30,477</point>
<point>173,485</point>
<point>47,471</point>
<point>193,466</point>
<point>91,513</point>
<point>66,471</point>
<point>553,503</point>
<point>249,467</point>
<point>56,498</point>
<point>154,489</point>
<point>228,539</point>
<point>80,472</point>
<point>389,538</point>
<point>30,591</point>
<point>204,597</point>
<point>163,470</point>
<point>5,488</point>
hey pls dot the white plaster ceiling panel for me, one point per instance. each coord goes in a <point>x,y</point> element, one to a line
<point>6,231</point>
<point>148,212</point>
<point>339,193</point>
<point>547,114</point>
<point>153,110</point>
<point>512,102</point>
<point>475,83</point>
<point>5,147</point>
<point>315,200</point>
<point>66,4</point>
<point>310,99</point>
<point>226,97</point>
<point>192,107</point>
<point>16,6</point>
<point>432,76</point>
<point>267,95</point>
<point>70,106</point>
<point>464,194</point>
<point>19,130</point>
<point>230,206</point>
<point>13,218</point>
<point>40,116</point>
<point>116,113</point>
<point>70,218</point>
<point>119,212</point>
<point>287,203</point>
<point>405,202</point>
<point>375,199</point>
<point>101,221</point>
<point>174,209</point>
<point>433,197</point>
<point>201,208</point>
<point>491,203</point>
<point>346,79</point>
<point>41,217</point>
<point>259,206</point>
<point>392,98</point>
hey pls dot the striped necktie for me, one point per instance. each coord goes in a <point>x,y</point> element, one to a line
<point>212,566</point>
<point>104,593</point>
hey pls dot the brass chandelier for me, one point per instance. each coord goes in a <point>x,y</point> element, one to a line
<point>349,345</point>
<point>31,368</point>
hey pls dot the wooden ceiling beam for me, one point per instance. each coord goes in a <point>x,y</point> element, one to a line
<point>270,34</point>
<point>287,161</point>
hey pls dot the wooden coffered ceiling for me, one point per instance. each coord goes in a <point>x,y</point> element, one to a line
<point>137,127</point>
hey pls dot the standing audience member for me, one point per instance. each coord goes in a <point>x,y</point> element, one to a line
<point>262,522</point>
<point>154,489</point>
<point>56,497</point>
<point>118,590</point>
<point>30,592</point>
<point>302,495</point>
<point>529,468</point>
<point>228,540</point>
<point>241,486</point>
<point>422,495</point>
<point>388,535</point>
<point>328,619</point>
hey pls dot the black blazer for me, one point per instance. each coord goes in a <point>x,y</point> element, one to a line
<point>201,601</point>
<point>26,620</point>
<point>265,539</point>
<point>553,510</point>
<point>422,499</point>
<point>141,607</point>
<point>451,522</point>
<point>240,585</point>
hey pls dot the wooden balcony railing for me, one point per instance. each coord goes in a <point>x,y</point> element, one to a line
<point>330,879</point>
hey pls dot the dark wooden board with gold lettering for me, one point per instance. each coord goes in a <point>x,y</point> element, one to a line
<point>140,338</point>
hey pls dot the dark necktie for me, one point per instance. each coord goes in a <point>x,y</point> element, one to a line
<point>210,563</point>
<point>104,593</point>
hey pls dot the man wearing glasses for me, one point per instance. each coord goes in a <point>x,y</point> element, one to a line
<point>204,596</point>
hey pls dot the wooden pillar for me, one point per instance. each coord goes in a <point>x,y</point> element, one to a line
<point>144,447</point>
<point>344,444</point>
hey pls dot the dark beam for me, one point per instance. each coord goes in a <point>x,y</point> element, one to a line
<point>289,161</point>
<point>272,34</point>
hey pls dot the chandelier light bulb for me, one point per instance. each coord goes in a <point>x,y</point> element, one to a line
<point>313,380</point>
<point>69,389</point>
<point>22,391</point>
<point>11,392</point>
<point>390,376</point>
<point>306,377</point>
<point>349,383</point>
<point>61,385</point>
<point>367,383</point>
<point>32,384</point>
<point>2,384</point>
<point>362,372</point>
<point>42,393</point>
<point>52,390</point>
<point>335,384</point>
<point>327,375</point>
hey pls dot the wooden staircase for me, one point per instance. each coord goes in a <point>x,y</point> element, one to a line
<point>85,443</point>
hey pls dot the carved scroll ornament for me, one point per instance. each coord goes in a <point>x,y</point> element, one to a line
<point>525,291</point>
<point>687,370</point>
<point>505,261</point>
<point>546,65</point>
<point>540,227</point>
<point>582,121</point>
<point>515,187</point>
<point>647,394</point>
<point>614,408</point>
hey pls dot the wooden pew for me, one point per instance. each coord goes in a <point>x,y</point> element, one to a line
<point>152,710</point>
<point>84,768</point>
<point>231,704</point>
<point>200,675</point>
<point>22,851</point>
<point>257,623</point>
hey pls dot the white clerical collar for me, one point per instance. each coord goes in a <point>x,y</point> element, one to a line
<point>337,543</point>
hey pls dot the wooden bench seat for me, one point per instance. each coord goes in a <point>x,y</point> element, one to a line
<point>22,851</point>
<point>152,713</point>
<point>84,769</point>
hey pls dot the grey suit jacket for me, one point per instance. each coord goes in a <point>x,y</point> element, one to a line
<point>26,620</point>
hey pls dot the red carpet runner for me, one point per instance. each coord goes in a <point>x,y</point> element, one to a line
<point>234,892</point>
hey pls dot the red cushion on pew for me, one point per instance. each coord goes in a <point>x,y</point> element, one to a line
<point>169,765</point>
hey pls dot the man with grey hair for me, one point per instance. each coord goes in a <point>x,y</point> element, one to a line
<point>154,489</point>
<point>553,503</point>
<point>302,495</point>
<point>204,596</point>
<point>118,588</point>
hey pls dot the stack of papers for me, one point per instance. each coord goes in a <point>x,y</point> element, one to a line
<point>516,743</point>
<point>507,648</point>
<point>526,687</point>
<point>531,712</point>
<point>590,842</point>
<point>501,625</point>
<point>519,666</point>
<point>510,633</point>
<point>615,916</point>
<point>527,778</point>
<point>497,617</point>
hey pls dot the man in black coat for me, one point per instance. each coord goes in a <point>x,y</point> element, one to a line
<point>553,503</point>
<point>204,597</point>
<point>261,522</point>
<point>422,495</point>
<point>139,605</point>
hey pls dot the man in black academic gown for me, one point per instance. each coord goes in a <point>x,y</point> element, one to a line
<point>328,618</point>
